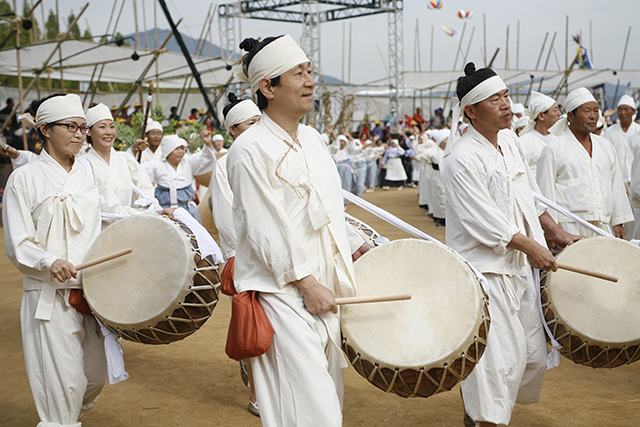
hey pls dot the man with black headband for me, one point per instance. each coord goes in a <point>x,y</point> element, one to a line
<point>292,245</point>
<point>493,222</point>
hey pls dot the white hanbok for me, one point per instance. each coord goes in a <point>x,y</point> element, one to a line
<point>289,222</point>
<point>147,155</point>
<point>488,201</point>
<point>436,188</point>
<point>50,213</point>
<point>590,186</point>
<point>532,143</point>
<point>122,172</point>
<point>426,171</point>
<point>621,143</point>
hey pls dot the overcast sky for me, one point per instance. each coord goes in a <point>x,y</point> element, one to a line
<point>605,41</point>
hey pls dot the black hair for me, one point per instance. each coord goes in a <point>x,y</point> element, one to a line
<point>253,46</point>
<point>471,79</point>
<point>233,101</point>
<point>33,110</point>
<point>194,110</point>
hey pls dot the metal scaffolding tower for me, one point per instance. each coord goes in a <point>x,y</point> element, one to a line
<point>311,15</point>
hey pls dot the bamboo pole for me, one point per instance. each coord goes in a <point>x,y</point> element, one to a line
<point>506,53</point>
<point>155,46</point>
<point>544,43</point>
<point>484,25</point>
<point>138,82</point>
<point>455,64</point>
<point>555,33</point>
<point>135,20</point>
<point>566,45</point>
<point>20,94</point>
<point>624,56</point>
<point>349,69</point>
<point>144,25</point>
<point>13,30</point>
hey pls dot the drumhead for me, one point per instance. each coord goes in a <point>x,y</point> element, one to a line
<point>139,289</point>
<point>435,327</point>
<point>598,310</point>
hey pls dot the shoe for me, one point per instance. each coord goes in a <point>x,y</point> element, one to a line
<point>385,188</point>
<point>253,408</point>
<point>411,184</point>
<point>243,373</point>
<point>400,188</point>
<point>369,190</point>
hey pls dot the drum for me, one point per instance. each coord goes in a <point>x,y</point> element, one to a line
<point>365,231</point>
<point>425,345</point>
<point>597,322</point>
<point>162,292</point>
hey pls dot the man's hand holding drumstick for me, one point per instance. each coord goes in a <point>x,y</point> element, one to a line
<point>317,298</point>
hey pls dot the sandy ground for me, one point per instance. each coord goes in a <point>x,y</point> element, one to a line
<point>192,382</point>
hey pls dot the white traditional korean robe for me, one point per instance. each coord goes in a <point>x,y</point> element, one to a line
<point>50,213</point>
<point>147,155</point>
<point>122,172</point>
<point>426,171</point>
<point>165,176</point>
<point>222,208</point>
<point>621,143</point>
<point>436,189</point>
<point>289,221</point>
<point>488,201</point>
<point>589,186</point>
<point>532,143</point>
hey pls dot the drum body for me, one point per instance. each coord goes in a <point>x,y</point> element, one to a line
<point>162,292</point>
<point>425,345</point>
<point>597,322</point>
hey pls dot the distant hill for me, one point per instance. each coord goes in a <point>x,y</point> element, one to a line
<point>191,44</point>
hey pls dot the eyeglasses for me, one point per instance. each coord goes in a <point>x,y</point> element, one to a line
<point>72,127</point>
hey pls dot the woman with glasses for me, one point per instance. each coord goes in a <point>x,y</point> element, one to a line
<point>51,213</point>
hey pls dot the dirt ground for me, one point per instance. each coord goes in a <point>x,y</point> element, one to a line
<point>192,382</point>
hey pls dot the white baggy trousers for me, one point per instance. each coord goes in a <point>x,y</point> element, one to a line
<point>64,359</point>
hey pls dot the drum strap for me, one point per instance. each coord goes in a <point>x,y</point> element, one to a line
<point>408,228</point>
<point>563,211</point>
<point>553,357</point>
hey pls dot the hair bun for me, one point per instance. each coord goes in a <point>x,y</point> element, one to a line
<point>469,69</point>
<point>248,44</point>
<point>232,97</point>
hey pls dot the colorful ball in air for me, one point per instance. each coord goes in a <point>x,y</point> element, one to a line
<point>435,4</point>
<point>465,14</point>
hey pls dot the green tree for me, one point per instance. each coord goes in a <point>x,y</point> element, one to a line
<point>87,34</point>
<point>51,27</point>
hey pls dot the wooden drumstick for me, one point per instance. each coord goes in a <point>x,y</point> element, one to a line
<point>379,298</point>
<point>102,259</point>
<point>586,272</point>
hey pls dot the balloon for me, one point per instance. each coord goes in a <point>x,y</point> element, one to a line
<point>450,31</point>
<point>435,4</point>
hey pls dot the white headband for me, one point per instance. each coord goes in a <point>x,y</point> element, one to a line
<point>539,103</point>
<point>170,143</point>
<point>576,98</point>
<point>484,90</point>
<point>153,125</point>
<point>55,109</point>
<point>98,113</point>
<point>271,61</point>
<point>627,100</point>
<point>240,112</point>
<point>217,137</point>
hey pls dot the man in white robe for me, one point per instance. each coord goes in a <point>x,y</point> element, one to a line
<point>150,146</point>
<point>579,171</point>
<point>543,112</point>
<point>426,170</point>
<point>493,222</point>
<point>620,133</point>
<point>292,244</point>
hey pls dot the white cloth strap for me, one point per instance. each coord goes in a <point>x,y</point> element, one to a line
<point>553,356</point>
<point>408,228</point>
<point>563,211</point>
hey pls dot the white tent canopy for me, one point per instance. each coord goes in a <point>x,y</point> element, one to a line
<point>81,60</point>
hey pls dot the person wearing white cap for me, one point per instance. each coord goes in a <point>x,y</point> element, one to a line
<point>542,113</point>
<point>292,244</point>
<point>239,115</point>
<point>580,171</point>
<point>620,133</point>
<point>120,170</point>
<point>425,142</point>
<point>173,174</point>
<point>493,222</point>
<point>218,145</point>
<point>150,146</point>
<point>51,214</point>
